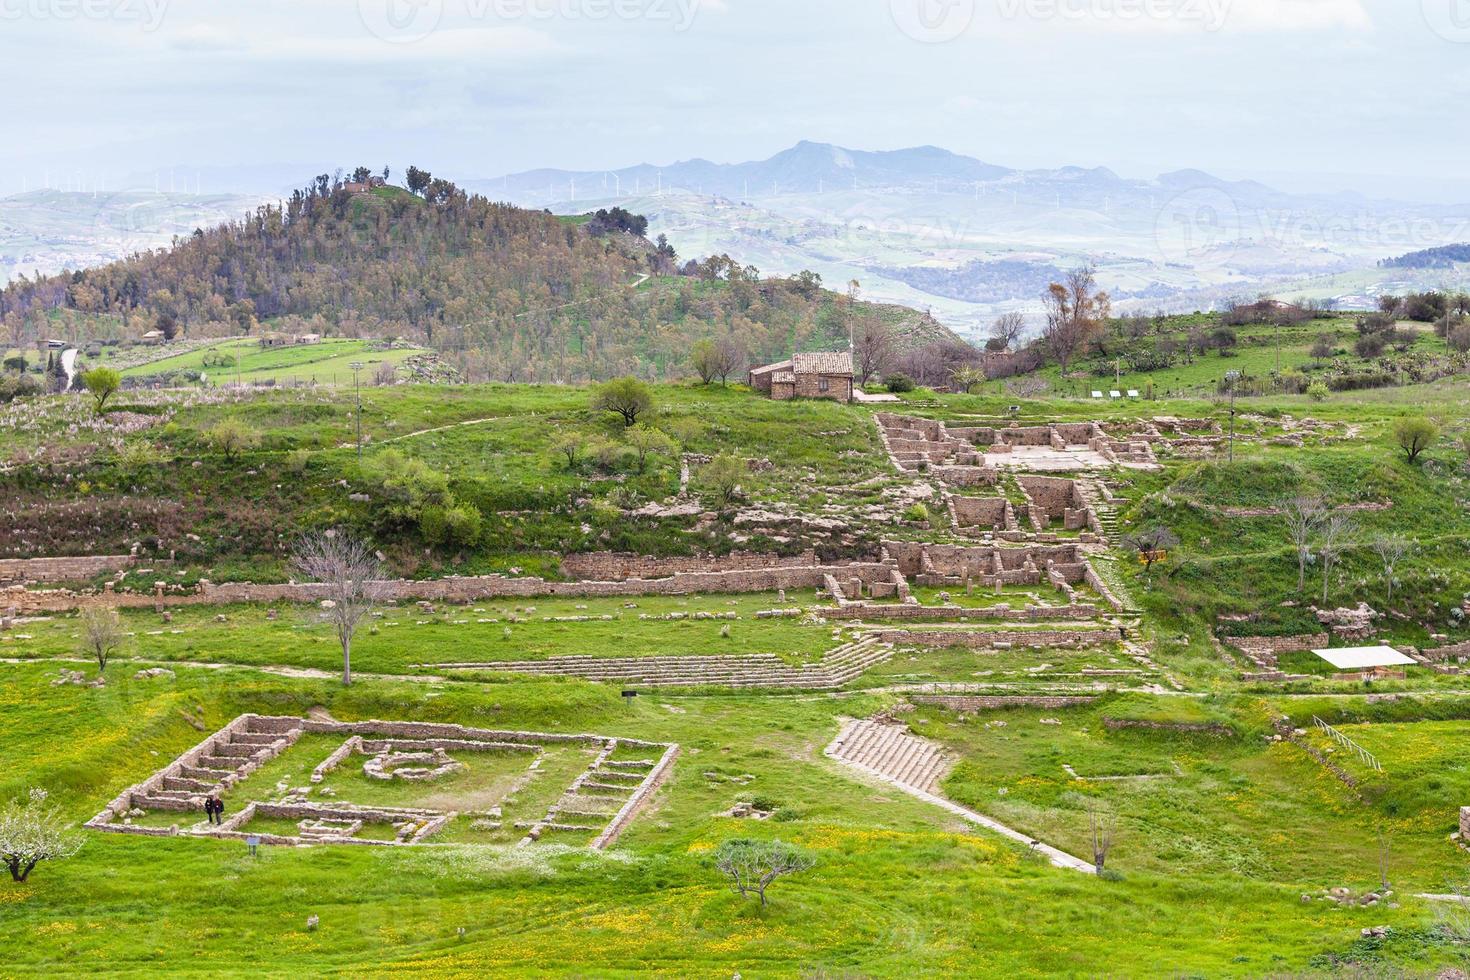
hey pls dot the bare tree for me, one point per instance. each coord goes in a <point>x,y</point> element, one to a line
<point>351,575</point>
<point>102,634</point>
<point>1006,331</point>
<point>1104,829</point>
<point>751,865</point>
<point>729,356</point>
<point>32,832</point>
<point>872,348</point>
<point>1391,550</point>
<point>1075,313</point>
<point>1302,515</point>
<point>1332,541</point>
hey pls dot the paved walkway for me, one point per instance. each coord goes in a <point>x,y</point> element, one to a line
<point>1057,857</point>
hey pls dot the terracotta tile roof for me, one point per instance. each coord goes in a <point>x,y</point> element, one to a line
<point>833,362</point>
<point>783,378</point>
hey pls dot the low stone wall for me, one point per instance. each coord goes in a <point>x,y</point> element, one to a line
<point>1441,654</point>
<point>1030,614</point>
<point>607,566</point>
<point>1188,727</point>
<point>641,796</point>
<point>1265,650</point>
<point>462,589</point>
<point>970,703</point>
<point>998,639</point>
<point>61,569</point>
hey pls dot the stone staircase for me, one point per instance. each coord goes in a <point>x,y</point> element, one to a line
<point>594,798</point>
<point>891,751</point>
<point>1106,567</point>
<point>228,759</point>
<point>836,668</point>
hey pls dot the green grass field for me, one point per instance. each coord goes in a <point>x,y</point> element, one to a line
<point>1219,834</point>
<point>899,886</point>
<point>329,362</point>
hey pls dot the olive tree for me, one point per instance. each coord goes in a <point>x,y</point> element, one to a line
<point>1414,435</point>
<point>32,831</point>
<point>752,865</point>
<point>351,575</point>
<point>625,397</point>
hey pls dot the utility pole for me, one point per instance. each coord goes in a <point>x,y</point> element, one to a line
<point>1231,378</point>
<point>356,367</point>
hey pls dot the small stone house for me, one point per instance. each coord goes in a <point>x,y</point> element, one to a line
<point>821,375</point>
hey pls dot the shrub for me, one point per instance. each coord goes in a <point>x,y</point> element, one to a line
<point>917,514</point>
<point>297,460</point>
<point>231,437</point>
<point>721,476</point>
<point>899,384</point>
<point>103,383</point>
<point>18,386</point>
<point>1317,391</point>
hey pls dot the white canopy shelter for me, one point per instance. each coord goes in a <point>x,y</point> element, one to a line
<point>1364,658</point>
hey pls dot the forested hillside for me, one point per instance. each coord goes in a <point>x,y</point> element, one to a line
<point>510,294</point>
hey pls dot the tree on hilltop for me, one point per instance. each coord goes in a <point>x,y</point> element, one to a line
<point>418,180</point>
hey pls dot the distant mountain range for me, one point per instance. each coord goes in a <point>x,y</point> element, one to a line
<point>970,239</point>
<point>47,231</point>
<point>817,168</point>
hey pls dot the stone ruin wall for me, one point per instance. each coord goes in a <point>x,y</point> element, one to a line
<point>80,569</point>
<point>997,639</point>
<point>461,589</point>
<point>607,566</point>
<point>1265,650</point>
<point>1465,823</point>
<point>971,703</point>
<point>980,511</point>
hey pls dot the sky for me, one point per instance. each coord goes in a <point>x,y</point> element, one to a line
<point>1307,94</point>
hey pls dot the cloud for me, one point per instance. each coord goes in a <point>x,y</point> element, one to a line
<point>1297,15</point>
<point>202,37</point>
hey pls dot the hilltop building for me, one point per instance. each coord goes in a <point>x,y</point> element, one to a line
<point>821,375</point>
